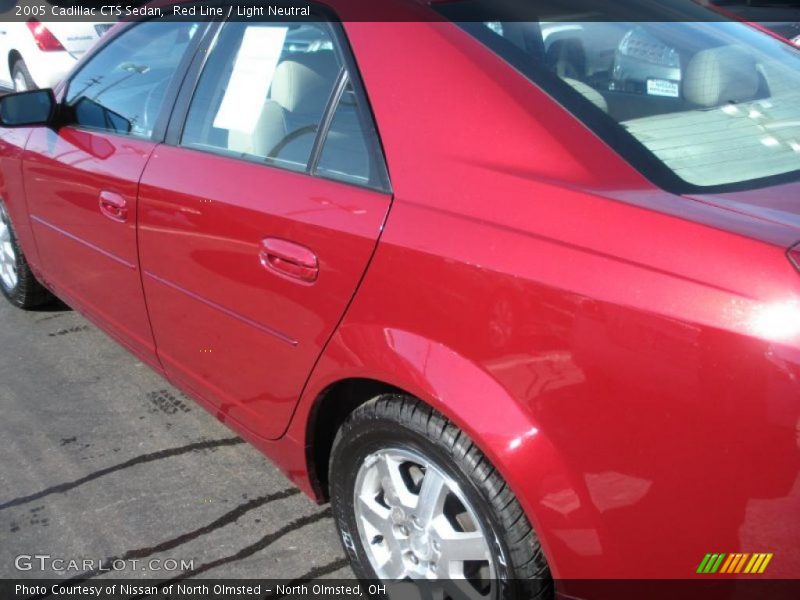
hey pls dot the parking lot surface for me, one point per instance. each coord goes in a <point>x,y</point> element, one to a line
<point>102,459</point>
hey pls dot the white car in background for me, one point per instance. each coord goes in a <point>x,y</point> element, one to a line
<point>37,54</point>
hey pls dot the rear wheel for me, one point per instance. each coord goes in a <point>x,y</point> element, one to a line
<point>414,498</point>
<point>17,282</point>
<point>22,77</point>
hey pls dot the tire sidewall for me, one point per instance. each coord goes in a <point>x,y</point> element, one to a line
<point>363,438</point>
<point>28,293</point>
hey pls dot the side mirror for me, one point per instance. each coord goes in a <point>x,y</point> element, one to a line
<point>28,109</point>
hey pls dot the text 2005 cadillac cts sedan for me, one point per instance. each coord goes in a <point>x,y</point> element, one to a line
<point>518,296</point>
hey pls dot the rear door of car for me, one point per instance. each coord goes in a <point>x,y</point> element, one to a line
<point>259,215</point>
<point>81,180</point>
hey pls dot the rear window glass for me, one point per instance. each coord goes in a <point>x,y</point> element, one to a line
<point>713,104</point>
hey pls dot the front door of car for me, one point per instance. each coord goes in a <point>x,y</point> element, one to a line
<point>259,217</point>
<point>82,179</point>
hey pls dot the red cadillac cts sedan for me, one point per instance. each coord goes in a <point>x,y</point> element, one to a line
<point>517,295</point>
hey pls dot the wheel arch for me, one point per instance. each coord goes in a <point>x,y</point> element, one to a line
<point>329,411</point>
<point>362,362</point>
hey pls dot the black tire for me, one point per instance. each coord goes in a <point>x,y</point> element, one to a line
<point>399,421</point>
<point>20,69</point>
<point>28,293</point>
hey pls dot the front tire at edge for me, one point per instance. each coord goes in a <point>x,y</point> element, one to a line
<point>17,282</point>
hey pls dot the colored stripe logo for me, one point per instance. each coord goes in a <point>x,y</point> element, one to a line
<point>734,563</point>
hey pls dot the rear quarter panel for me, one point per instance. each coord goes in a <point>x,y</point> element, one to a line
<point>597,338</point>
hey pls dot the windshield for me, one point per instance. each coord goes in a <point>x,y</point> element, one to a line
<point>693,105</point>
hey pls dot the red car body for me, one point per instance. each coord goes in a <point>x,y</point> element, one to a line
<point>628,358</point>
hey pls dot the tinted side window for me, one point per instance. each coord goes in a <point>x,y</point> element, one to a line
<point>264,91</point>
<point>122,88</point>
<point>346,154</point>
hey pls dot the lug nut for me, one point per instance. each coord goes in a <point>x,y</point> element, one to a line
<point>398,516</point>
<point>403,530</point>
<point>413,558</point>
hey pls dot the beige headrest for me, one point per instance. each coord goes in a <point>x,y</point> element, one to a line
<point>721,75</point>
<point>303,82</point>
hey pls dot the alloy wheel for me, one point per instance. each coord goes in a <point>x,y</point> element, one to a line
<point>8,257</point>
<point>415,523</point>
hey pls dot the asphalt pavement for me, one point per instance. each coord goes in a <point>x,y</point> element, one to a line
<point>101,459</point>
